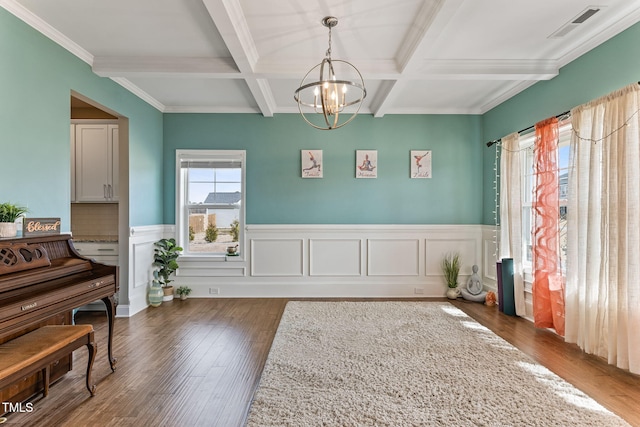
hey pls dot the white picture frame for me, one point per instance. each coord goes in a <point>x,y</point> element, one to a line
<point>420,161</point>
<point>366,163</point>
<point>311,163</point>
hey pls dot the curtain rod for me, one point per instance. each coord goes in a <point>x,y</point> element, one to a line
<point>495,141</point>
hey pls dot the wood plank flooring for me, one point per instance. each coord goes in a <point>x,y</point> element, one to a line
<point>198,362</point>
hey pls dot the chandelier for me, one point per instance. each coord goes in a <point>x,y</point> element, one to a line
<point>335,99</point>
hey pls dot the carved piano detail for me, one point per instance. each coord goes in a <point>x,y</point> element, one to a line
<point>23,256</point>
<point>42,279</point>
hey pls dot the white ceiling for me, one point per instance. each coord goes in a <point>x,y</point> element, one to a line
<point>248,56</point>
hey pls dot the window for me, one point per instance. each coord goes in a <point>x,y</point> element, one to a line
<point>526,144</point>
<point>210,200</point>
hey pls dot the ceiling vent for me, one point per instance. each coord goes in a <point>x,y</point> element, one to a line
<point>575,22</point>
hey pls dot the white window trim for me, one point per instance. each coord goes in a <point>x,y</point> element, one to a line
<point>181,213</point>
<point>526,142</point>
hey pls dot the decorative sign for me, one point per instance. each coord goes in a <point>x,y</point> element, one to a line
<point>311,163</point>
<point>366,163</point>
<point>40,226</point>
<point>420,164</point>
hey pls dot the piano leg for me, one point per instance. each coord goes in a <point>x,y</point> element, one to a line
<point>91,348</point>
<point>109,303</point>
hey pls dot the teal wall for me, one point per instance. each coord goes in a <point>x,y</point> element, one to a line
<point>611,66</point>
<point>36,79</point>
<point>276,194</point>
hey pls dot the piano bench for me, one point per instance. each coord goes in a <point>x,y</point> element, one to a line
<point>38,349</point>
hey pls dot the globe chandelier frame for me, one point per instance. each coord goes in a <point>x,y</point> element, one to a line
<point>330,96</point>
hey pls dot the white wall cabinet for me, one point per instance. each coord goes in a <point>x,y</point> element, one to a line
<point>95,158</point>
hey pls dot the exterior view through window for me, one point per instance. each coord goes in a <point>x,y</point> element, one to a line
<point>563,184</point>
<point>210,201</point>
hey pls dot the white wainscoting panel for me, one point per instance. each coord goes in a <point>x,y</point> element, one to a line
<point>328,260</point>
<point>277,257</point>
<point>317,260</point>
<point>141,250</point>
<point>438,247</point>
<point>490,236</point>
<point>335,257</point>
<point>393,257</point>
<point>208,268</point>
<point>143,256</point>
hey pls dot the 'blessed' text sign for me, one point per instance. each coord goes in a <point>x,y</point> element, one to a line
<point>38,226</point>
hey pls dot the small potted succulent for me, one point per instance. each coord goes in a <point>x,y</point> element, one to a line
<point>9,213</point>
<point>183,292</point>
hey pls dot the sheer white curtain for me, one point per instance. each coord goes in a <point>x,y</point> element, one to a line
<point>603,247</point>
<point>511,191</point>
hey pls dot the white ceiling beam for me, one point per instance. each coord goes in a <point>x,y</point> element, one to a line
<point>225,68</point>
<point>265,100</point>
<point>476,69</point>
<point>293,69</point>
<point>387,94</point>
<point>426,28</point>
<point>229,19</point>
<point>117,66</point>
<point>430,69</point>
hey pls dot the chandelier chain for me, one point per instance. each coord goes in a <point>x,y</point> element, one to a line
<point>329,49</point>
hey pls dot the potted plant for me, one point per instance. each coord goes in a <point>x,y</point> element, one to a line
<point>165,258</point>
<point>9,213</point>
<point>451,268</point>
<point>184,292</point>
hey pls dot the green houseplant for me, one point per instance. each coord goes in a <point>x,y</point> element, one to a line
<point>9,213</point>
<point>450,265</point>
<point>183,291</point>
<point>165,262</point>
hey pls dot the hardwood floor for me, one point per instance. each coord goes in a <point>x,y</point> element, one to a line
<point>198,362</point>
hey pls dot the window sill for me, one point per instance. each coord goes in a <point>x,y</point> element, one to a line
<point>211,258</point>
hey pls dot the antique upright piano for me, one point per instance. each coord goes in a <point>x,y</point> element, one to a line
<point>42,279</point>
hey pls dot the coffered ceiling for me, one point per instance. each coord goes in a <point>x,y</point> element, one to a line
<point>248,56</point>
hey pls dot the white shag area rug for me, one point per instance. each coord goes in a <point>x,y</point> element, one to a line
<point>407,364</point>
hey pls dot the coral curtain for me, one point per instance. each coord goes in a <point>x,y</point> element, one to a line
<point>511,191</point>
<point>548,286</point>
<point>603,246</point>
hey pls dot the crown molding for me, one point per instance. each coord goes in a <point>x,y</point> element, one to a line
<point>471,69</point>
<point>47,30</point>
<point>140,93</point>
<point>506,95</point>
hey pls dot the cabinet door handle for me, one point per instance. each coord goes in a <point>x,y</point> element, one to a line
<point>110,192</point>
<point>106,249</point>
<point>104,191</point>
